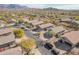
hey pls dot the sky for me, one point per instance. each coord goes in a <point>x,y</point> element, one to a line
<point>59,6</point>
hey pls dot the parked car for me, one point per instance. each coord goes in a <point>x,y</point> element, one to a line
<point>48,46</point>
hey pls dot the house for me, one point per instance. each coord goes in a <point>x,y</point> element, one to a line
<point>2,24</point>
<point>37,23</point>
<point>67,20</point>
<point>12,51</point>
<point>33,21</point>
<point>7,37</point>
<point>59,30</point>
<point>45,26</point>
<point>11,22</point>
<point>30,21</point>
<point>71,38</point>
<point>76,23</point>
<point>68,41</point>
<point>26,19</point>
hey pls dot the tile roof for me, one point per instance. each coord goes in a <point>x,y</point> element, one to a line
<point>46,25</point>
<point>58,29</point>
<point>8,37</point>
<point>72,36</point>
<point>5,30</point>
<point>37,23</point>
<point>66,19</point>
<point>33,21</point>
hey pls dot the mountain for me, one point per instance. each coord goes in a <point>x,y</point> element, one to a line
<point>50,8</point>
<point>12,6</point>
<point>53,9</point>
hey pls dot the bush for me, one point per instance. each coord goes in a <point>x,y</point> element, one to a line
<point>28,44</point>
<point>49,34</point>
<point>18,33</point>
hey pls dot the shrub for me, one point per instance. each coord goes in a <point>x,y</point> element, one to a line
<point>28,43</point>
<point>18,33</point>
<point>48,34</point>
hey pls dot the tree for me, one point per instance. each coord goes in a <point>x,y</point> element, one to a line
<point>49,34</point>
<point>18,33</point>
<point>28,45</point>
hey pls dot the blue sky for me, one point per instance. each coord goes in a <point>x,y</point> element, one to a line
<point>59,6</point>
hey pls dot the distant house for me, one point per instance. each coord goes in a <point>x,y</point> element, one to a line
<point>11,22</point>
<point>2,24</point>
<point>67,20</point>
<point>37,23</point>
<point>33,21</point>
<point>46,26</point>
<point>76,23</point>
<point>7,37</point>
<point>26,19</point>
<point>59,30</point>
